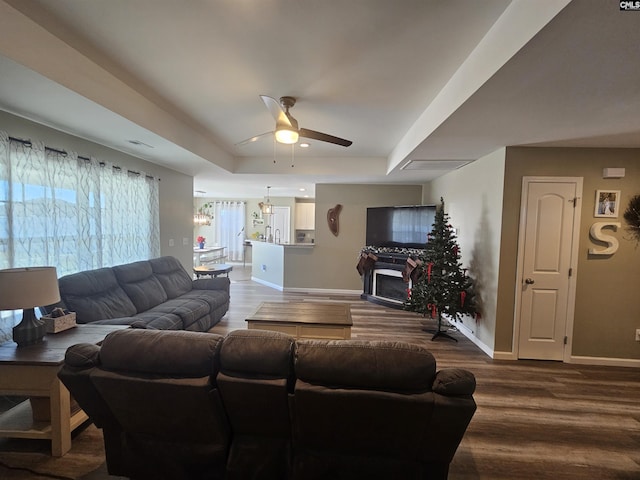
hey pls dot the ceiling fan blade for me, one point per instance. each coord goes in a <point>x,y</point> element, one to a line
<point>276,110</point>
<point>253,139</point>
<point>324,137</point>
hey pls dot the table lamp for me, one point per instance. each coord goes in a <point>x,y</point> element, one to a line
<point>28,288</point>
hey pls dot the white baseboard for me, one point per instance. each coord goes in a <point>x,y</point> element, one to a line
<point>469,334</point>
<point>267,284</point>
<point>504,356</point>
<point>323,291</point>
<point>605,361</point>
<point>320,291</point>
<point>581,360</point>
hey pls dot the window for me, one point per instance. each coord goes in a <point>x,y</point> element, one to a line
<point>71,212</point>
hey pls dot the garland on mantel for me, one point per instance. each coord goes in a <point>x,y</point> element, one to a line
<point>400,250</point>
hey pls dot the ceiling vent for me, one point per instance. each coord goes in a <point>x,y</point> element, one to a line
<point>441,165</point>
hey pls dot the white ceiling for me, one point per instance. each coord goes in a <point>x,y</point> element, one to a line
<point>431,83</point>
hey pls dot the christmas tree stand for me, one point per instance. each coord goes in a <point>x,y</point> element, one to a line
<point>441,333</point>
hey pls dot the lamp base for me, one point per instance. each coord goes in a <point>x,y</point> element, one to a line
<point>30,330</point>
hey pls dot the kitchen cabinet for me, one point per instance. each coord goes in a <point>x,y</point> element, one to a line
<point>305,216</point>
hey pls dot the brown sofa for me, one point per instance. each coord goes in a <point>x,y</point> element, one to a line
<point>260,405</point>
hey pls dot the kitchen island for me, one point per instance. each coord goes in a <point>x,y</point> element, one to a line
<point>270,262</point>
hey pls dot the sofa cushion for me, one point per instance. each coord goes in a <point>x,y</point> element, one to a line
<point>115,321</point>
<point>157,321</point>
<point>159,384</point>
<point>171,275</point>
<point>214,298</point>
<point>255,378</point>
<point>95,295</point>
<point>162,352</point>
<point>379,365</point>
<point>140,284</point>
<point>257,354</point>
<point>190,310</point>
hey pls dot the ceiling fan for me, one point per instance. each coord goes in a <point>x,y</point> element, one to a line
<point>287,130</point>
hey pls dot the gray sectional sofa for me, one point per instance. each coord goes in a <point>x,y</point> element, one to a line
<point>155,294</point>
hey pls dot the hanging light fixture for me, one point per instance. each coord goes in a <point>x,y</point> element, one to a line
<point>267,207</point>
<point>200,219</point>
<point>202,216</point>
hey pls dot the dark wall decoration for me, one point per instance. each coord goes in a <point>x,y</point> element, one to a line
<point>632,217</point>
<point>332,219</point>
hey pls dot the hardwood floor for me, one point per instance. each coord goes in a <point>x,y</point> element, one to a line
<point>535,420</point>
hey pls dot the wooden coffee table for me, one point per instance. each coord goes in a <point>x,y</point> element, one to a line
<point>304,319</point>
<point>32,371</point>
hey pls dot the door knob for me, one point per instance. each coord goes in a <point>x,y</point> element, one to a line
<point>529,281</point>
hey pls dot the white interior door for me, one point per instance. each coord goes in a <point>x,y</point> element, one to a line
<point>549,230</point>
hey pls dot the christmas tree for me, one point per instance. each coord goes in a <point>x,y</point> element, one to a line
<point>441,286</point>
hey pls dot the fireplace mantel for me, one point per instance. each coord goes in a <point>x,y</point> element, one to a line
<point>375,262</point>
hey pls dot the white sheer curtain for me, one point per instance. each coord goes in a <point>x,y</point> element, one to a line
<point>72,212</point>
<point>229,221</point>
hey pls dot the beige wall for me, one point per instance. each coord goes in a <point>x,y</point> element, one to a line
<point>176,189</point>
<point>487,213</point>
<point>607,312</point>
<point>331,263</point>
<point>473,200</point>
<point>268,264</point>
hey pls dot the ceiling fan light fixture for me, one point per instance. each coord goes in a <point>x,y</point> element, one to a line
<point>286,135</point>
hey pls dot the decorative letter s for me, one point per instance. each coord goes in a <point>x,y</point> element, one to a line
<point>597,234</point>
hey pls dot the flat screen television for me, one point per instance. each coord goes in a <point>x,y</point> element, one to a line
<point>401,227</point>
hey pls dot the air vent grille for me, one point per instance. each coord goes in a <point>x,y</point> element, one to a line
<point>434,164</point>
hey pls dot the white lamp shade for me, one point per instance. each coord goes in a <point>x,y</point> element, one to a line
<point>284,135</point>
<point>28,287</point>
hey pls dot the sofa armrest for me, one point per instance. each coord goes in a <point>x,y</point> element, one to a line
<point>454,382</point>
<point>217,283</point>
<point>80,361</point>
<point>82,356</point>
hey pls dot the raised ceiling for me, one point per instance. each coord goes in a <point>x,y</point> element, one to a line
<point>419,86</point>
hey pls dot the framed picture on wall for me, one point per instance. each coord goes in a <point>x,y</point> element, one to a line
<point>607,203</point>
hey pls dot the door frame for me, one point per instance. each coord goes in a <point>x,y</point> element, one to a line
<point>575,242</point>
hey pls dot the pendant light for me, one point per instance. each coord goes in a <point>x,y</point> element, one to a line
<point>267,207</point>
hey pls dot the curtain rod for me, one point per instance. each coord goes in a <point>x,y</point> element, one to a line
<point>27,143</point>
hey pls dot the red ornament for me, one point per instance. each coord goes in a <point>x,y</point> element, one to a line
<point>433,308</point>
<point>463,295</point>
<point>429,271</point>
